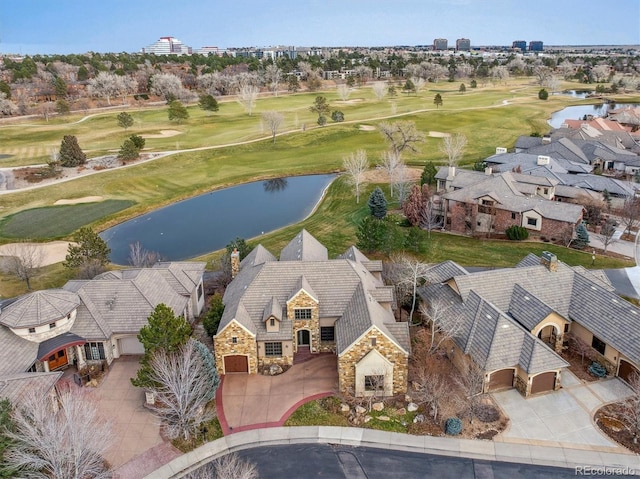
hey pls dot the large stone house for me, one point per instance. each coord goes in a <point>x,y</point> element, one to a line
<point>89,320</point>
<point>306,303</point>
<point>473,203</point>
<point>516,320</point>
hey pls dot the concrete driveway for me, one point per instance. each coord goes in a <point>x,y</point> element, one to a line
<point>252,401</point>
<point>562,418</point>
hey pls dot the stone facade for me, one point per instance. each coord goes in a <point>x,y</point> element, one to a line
<point>285,360</point>
<point>348,359</point>
<point>245,345</point>
<point>522,385</point>
<point>302,300</point>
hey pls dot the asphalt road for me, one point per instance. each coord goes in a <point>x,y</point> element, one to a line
<point>342,462</point>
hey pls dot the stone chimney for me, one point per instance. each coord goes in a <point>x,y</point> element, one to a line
<point>451,174</point>
<point>235,263</point>
<point>549,260</point>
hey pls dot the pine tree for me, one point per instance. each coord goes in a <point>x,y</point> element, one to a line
<point>70,152</point>
<point>437,100</point>
<point>582,237</point>
<point>125,120</point>
<point>177,111</point>
<point>373,234</point>
<point>166,332</point>
<point>128,151</point>
<point>377,204</point>
<point>428,176</point>
<point>87,250</point>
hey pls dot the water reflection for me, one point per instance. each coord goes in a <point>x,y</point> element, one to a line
<point>275,184</point>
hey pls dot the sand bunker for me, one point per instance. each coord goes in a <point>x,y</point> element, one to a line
<point>46,253</point>
<point>367,128</point>
<point>439,134</point>
<point>163,134</point>
<point>86,199</point>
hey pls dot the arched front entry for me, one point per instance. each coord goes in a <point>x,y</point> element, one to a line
<point>549,334</point>
<point>627,370</point>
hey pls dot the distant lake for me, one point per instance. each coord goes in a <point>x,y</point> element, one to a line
<point>578,112</point>
<point>209,222</point>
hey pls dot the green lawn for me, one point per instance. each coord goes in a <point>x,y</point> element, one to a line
<point>57,221</point>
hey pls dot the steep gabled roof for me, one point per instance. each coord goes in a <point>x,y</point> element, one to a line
<point>258,255</point>
<point>273,309</point>
<point>304,247</point>
<point>526,309</point>
<point>18,387</point>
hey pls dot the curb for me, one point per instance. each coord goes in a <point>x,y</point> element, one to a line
<point>443,446</point>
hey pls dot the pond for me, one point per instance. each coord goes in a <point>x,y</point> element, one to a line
<point>574,93</point>
<point>209,222</point>
<point>578,112</point>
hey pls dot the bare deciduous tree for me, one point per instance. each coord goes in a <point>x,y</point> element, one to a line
<point>356,164</point>
<point>418,83</point>
<point>631,408</point>
<point>105,85</point>
<point>411,272</point>
<point>401,182</point>
<point>401,136</point>
<point>230,466</point>
<point>67,441</point>
<point>429,389</point>
<point>443,323</point>
<point>273,77</point>
<point>379,89</point>
<point>579,346</point>
<point>24,259</point>
<point>453,146</point>
<point>247,95</point>
<point>389,163</point>
<point>273,120</point>
<point>139,257</point>
<point>343,91</point>
<point>472,383</point>
<point>601,72</point>
<point>167,85</point>
<point>607,234</point>
<point>430,216</point>
<point>186,384</point>
<point>630,214</point>
<point>7,107</point>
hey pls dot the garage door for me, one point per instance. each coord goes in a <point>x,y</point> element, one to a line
<point>236,364</point>
<point>130,345</point>
<point>543,382</point>
<point>501,379</point>
<point>626,370</point>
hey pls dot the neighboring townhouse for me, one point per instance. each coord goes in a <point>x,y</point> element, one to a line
<point>515,320</point>
<point>91,320</point>
<point>487,203</point>
<point>279,311</point>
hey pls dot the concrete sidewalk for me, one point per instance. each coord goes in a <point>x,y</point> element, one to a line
<point>558,456</point>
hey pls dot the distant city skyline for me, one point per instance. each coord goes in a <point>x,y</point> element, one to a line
<point>79,26</point>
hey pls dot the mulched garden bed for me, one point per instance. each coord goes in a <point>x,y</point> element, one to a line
<point>578,367</point>
<point>610,421</point>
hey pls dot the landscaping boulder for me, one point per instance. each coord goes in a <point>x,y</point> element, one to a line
<point>360,410</point>
<point>412,407</point>
<point>401,412</point>
<point>377,406</point>
<point>344,408</point>
<point>275,369</point>
<point>407,398</point>
<point>367,419</point>
<point>384,418</point>
<point>418,419</point>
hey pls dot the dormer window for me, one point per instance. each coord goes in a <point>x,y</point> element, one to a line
<point>302,313</point>
<point>272,322</point>
<point>52,325</point>
<point>32,330</point>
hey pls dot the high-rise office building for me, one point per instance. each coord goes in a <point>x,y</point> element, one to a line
<point>535,46</point>
<point>521,44</point>
<point>440,44</point>
<point>168,46</point>
<point>463,44</point>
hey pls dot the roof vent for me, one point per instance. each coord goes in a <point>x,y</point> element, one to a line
<point>543,160</point>
<point>500,150</point>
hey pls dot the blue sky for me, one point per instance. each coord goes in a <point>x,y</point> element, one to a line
<point>77,26</point>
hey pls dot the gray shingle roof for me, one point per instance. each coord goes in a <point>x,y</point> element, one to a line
<point>258,255</point>
<point>18,387</point>
<point>39,308</point>
<point>16,354</point>
<point>304,247</point>
<point>344,288</point>
<point>444,271</point>
<point>526,309</point>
